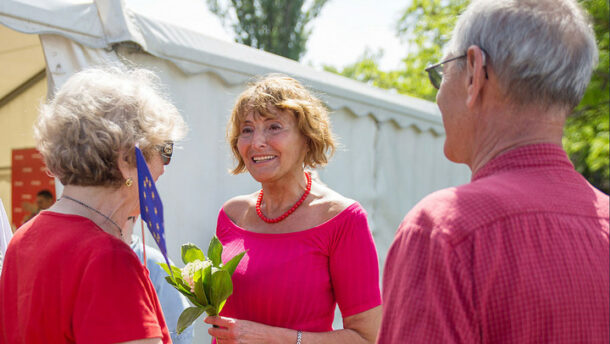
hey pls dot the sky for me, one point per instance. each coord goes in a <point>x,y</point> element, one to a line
<point>340,35</point>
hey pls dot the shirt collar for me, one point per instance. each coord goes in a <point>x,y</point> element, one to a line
<point>535,155</point>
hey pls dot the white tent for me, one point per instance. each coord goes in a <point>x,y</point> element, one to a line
<point>391,153</point>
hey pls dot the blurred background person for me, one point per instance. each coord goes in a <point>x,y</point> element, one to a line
<point>44,200</point>
<point>68,276</point>
<point>308,247</point>
<point>172,302</point>
<point>521,253</point>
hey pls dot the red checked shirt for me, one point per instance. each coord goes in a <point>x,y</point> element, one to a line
<point>519,255</point>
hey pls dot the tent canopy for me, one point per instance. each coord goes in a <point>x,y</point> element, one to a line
<point>21,60</point>
<point>107,24</point>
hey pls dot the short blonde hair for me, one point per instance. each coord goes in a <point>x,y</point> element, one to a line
<point>99,112</point>
<point>284,93</point>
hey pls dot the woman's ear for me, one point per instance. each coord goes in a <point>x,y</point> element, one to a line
<point>124,165</point>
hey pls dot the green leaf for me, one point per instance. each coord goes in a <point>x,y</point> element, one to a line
<point>215,251</point>
<point>183,285</point>
<point>190,252</point>
<point>199,291</point>
<point>221,288</point>
<point>164,267</point>
<point>211,310</point>
<point>187,317</point>
<point>193,299</point>
<point>231,265</point>
<point>221,305</point>
<point>207,282</point>
<point>177,271</point>
<point>186,292</point>
<point>190,296</point>
<point>170,281</point>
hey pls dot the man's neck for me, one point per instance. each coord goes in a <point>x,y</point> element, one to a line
<point>507,130</point>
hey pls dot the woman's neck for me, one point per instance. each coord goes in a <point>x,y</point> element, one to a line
<point>105,206</point>
<point>281,195</point>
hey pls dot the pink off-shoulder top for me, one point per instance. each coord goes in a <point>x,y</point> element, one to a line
<point>295,280</point>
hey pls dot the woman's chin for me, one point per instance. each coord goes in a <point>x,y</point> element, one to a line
<point>261,175</point>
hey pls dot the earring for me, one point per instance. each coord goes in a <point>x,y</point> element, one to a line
<point>128,182</point>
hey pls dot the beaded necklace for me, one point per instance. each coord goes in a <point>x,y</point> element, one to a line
<point>290,211</point>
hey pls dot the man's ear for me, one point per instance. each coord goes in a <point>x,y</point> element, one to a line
<point>475,75</point>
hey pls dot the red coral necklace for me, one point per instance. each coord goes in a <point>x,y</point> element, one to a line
<point>290,211</point>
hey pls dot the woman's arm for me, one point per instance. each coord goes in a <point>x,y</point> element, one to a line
<point>361,328</point>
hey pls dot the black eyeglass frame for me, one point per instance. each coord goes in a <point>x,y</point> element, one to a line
<point>435,75</point>
<point>165,151</point>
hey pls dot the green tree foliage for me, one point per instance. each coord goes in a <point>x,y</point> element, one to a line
<point>276,26</point>
<point>425,28</point>
<point>586,137</point>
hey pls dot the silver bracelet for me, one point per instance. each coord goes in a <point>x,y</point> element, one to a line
<point>299,335</point>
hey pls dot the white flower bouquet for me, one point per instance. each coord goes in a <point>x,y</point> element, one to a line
<point>206,282</point>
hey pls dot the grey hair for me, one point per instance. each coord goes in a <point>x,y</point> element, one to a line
<point>99,112</point>
<point>543,51</point>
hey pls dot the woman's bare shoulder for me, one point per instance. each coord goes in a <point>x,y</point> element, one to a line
<point>236,207</point>
<point>332,201</point>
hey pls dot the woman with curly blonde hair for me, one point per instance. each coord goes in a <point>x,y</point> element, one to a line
<point>308,247</point>
<point>68,276</point>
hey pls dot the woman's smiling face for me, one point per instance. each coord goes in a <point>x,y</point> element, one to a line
<point>272,145</point>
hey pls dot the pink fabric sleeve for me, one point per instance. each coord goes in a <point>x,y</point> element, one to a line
<point>354,266</point>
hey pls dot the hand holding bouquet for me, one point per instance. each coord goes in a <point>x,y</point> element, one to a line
<point>206,282</point>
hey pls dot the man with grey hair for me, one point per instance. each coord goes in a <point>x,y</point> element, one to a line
<point>520,254</point>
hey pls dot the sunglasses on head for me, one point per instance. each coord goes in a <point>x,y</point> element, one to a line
<point>165,151</point>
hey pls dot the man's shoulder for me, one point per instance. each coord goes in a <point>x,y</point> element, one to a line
<point>433,210</point>
<point>460,200</point>
<point>456,211</point>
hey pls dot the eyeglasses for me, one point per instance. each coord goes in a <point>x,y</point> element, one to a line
<point>435,72</point>
<point>165,151</point>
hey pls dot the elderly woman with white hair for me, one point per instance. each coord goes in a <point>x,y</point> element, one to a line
<point>68,276</point>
